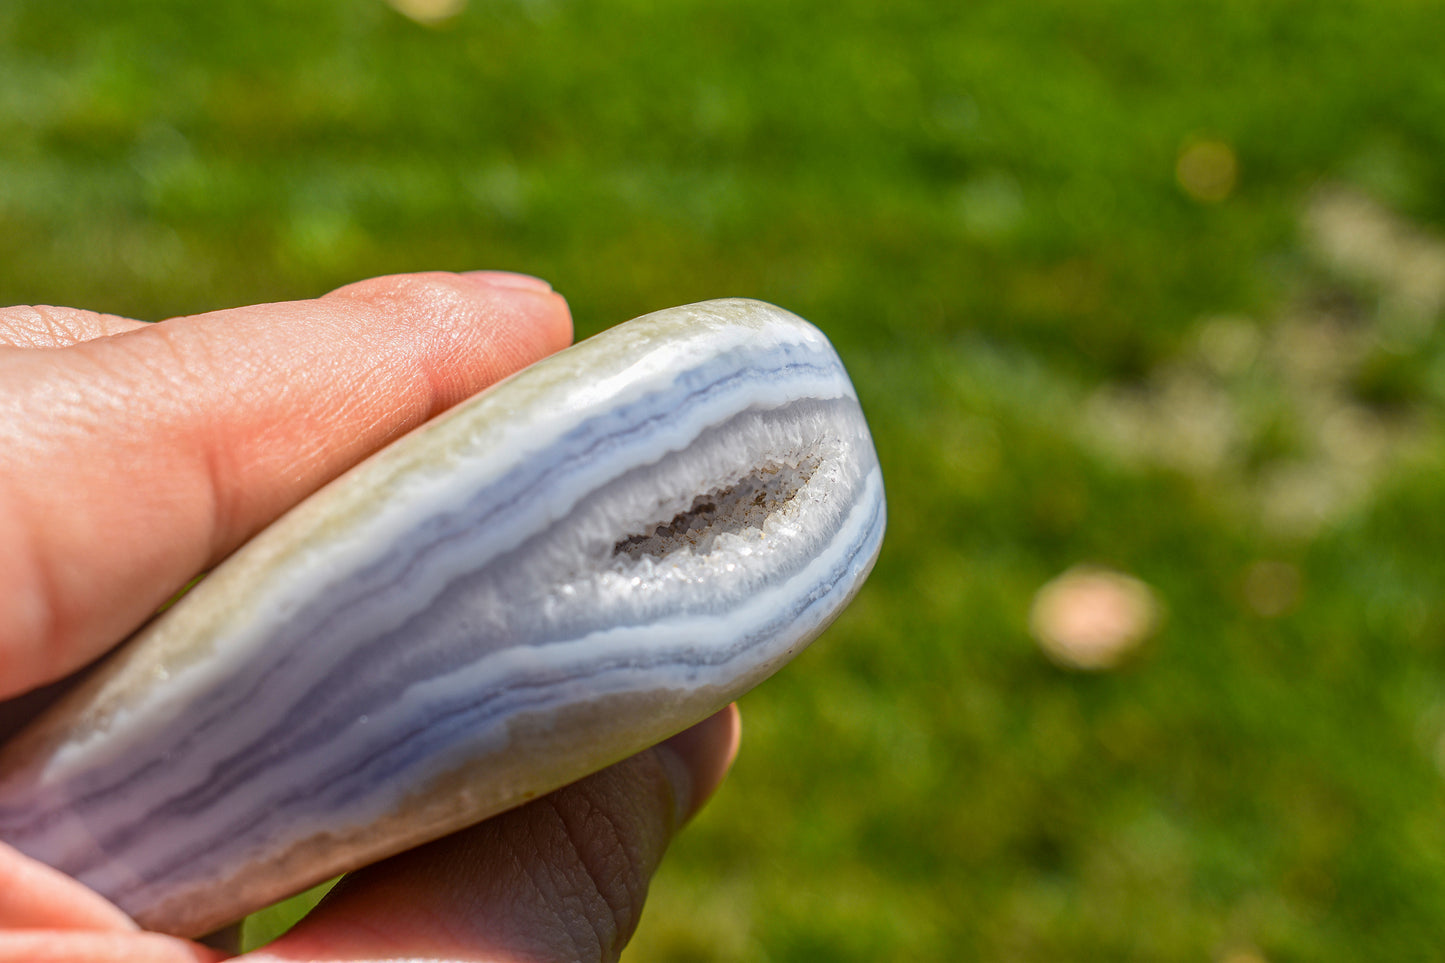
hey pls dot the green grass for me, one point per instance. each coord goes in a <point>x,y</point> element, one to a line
<point>979,203</point>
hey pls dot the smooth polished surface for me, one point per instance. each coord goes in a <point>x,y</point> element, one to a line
<point>573,565</point>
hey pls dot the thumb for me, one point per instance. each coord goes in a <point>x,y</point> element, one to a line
<point>138,455</point>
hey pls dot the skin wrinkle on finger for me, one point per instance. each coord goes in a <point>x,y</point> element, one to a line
<point>617,866</point>
<point>260,410</point>
<point>583,917</point>
<point>430,368</point>
<point>532,859</point>
<point>610,864</point>
<point>595,847</point>
<point>41,326</point>
<point>200,430</point>
<point>165,360</point>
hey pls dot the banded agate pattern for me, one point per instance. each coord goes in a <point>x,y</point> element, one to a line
<point>573,565</point>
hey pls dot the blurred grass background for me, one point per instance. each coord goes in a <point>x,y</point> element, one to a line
<point>1147,285</point>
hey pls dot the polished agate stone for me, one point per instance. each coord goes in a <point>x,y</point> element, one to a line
<point>573,565</point>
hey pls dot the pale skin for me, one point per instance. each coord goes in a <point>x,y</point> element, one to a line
<point>134,455</point>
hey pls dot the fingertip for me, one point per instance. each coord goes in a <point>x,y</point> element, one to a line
<point>704,753</point>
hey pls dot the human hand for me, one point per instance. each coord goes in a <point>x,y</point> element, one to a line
<point>137,455</point>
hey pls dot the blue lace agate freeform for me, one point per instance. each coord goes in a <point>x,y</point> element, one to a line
<point>590,556</point>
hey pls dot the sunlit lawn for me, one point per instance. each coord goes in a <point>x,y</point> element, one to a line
<point>1148,286</point>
